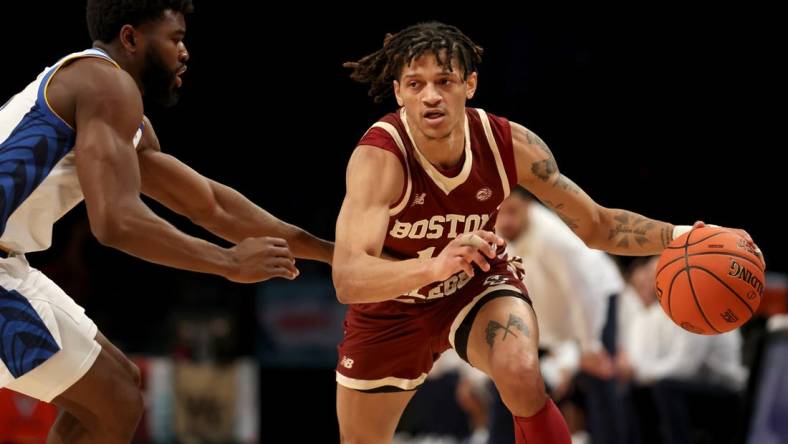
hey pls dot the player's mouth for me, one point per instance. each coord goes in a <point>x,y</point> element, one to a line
<point>178,80</point>
<point>434,117</point>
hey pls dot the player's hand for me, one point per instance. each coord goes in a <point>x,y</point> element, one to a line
<point>257,259</point>
<point>464,251</point>
<point>751,247</point>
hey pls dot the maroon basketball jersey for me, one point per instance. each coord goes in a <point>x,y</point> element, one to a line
<point>435,208</point>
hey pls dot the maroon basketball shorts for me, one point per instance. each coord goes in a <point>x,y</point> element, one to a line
<point>390,346</point>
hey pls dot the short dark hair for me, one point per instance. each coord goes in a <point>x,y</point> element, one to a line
<point>383,66</point>
<point>106,17</point>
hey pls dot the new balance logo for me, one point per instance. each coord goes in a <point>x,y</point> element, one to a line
<point>495,279</point>
<point>347,362</point>
<point>419,199</point>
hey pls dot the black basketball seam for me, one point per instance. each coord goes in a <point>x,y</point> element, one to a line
<point>712,252</point>
<point>697,241</point>
<point>726,286</point>
<point>692,287</point>
<point>670,289</point>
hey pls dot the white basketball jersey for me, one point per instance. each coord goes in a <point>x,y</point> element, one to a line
<point>38,177</point>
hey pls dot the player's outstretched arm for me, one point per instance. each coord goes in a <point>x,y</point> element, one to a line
<point>616,231</point>
<point>108,112</point>
<point>216,207</point>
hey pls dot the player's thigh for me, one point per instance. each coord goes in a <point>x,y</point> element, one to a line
<point>369,417</point>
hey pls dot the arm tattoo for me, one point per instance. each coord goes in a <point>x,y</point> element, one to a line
<point>630,227</point>
<point>543,169</point>
<point>569,221</point>
<point>666,236</point>
<point>572,223</point>
<point>514,321</point>
<point>533,139</point>
<point>566,184</point>
<point>554,206</point>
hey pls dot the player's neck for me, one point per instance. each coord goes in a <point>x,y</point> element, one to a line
<point>445,152</point>
<point>118,56</point>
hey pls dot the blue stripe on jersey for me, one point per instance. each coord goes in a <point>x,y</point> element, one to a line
<point>28,155</point>
<point>26,342</point>
<point>32,149</point>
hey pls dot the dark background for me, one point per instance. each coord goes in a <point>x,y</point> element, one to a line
<point>674,114</point>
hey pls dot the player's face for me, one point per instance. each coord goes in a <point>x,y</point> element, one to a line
<point>434,97</point>
<point>165,57</point>
<point>512,217</point>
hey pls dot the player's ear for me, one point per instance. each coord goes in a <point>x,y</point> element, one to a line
<point>470,85</point>
<point>397,93</point>
<point>128,38</point>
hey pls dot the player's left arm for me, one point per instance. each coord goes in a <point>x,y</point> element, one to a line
<point>216,207</point>
<point>613,230</point>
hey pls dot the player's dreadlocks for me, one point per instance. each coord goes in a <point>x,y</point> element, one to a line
<point>383,66</point>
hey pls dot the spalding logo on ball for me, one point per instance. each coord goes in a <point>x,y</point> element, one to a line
<point>709,280</point>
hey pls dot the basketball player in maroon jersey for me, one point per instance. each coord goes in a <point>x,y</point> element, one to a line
<point>416,257</point>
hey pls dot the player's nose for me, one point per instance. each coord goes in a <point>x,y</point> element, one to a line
<point>430,95</point>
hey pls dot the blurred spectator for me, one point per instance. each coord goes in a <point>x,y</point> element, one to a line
<point>695,380</point>
<point>767,389</point>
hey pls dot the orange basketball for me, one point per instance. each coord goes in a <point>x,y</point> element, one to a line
<point>709,281</point>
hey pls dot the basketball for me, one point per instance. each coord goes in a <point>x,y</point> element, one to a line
<point>709,280</point>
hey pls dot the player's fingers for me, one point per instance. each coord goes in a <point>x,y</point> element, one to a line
<point>491,238</point>
<point>758,253</point>
<point>279,251</point>
<point>478,243</point>
<point>473,240</point>
<point>278,271</point>
<point>464,265</point>
<point>745,235</point>
<point>277,241</point>
<point>481,261</point>
<point>285,263</point>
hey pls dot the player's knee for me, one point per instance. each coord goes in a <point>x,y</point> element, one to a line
<point>128,406</point>
<point>359,434</point>
<point>131,407</point>
<point>358,438</point>
<point>134,374</point>
<point>517,373</point>
<point>349,437</point>
<point>135,406</point>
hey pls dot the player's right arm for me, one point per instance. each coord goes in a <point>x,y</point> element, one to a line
<point>108,112</point>
<point>374,181</point>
